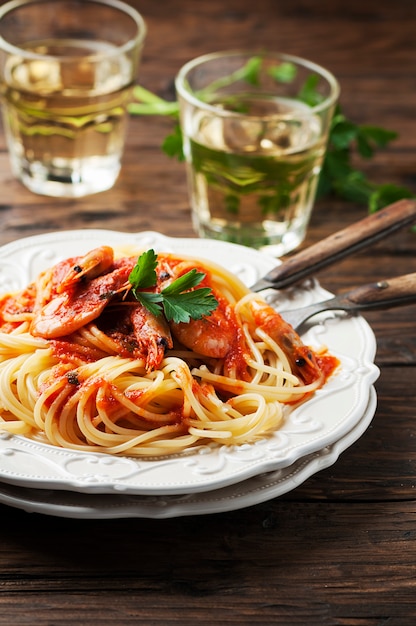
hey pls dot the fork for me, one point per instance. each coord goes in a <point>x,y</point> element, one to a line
<point>384,294</point>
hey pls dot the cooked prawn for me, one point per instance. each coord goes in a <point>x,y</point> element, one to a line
<point>72,309</point>
<point>77,291</point>
<point>300,357</point>
<point>93,264</point>
<point>49,281</point>
<point>152,335</point>
<point>212,336</point>
<point>137,332</point>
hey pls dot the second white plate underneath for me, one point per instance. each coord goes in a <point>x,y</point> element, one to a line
<point>256,490</point>
<point>324,419</point>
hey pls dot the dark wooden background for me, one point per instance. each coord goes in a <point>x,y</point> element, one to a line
<point>340,549</point>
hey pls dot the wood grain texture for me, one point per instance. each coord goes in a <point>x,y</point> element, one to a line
<point>340,550</point>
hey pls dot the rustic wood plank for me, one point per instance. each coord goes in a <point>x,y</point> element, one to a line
<point>278,561</point>
<point>340,550</point>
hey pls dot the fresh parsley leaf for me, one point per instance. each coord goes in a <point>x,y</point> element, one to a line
<point>143,275</point>
<point>189,305</point>
<point>380,136</point>
<point>354,187</point>
<point>343,132</point>
<point>249,73</point>
<point>180,304</point>
<point>370,137</point>
<point>173,144</point>
<point>337,164</point>
<point>150,300</point>
<point>179,301</point>
<point>309,92</point>
<point>251,70</point>
<point>283,73</point>
<point>387,194</point>
<point>183,283</point>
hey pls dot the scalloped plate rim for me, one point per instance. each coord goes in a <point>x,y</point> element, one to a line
<point>199,482</point>
<point>241,495</point>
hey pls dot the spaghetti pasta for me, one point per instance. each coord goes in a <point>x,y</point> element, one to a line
<point>83,365</point>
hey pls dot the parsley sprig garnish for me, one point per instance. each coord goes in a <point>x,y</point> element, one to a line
<point>180,301</point>
<point>339,176</point>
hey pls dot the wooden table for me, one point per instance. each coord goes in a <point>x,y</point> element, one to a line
<point>341,548</point>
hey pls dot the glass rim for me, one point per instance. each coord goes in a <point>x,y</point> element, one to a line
<point>128,10</point>
<point>190,97</point>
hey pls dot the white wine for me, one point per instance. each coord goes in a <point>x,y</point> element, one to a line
<point>65,114</point>
<point>253,179</point>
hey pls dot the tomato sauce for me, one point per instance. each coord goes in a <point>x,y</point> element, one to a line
<point>327,364</point>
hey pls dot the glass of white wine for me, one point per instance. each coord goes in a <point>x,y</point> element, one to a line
<point>255,128</point>
<point>67,68</point>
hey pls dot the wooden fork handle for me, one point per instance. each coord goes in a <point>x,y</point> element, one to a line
<point>384,293</point>
<point>340,244</point>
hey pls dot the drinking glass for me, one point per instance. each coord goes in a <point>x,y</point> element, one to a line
<point>67,68</point>
<point>255,129</point>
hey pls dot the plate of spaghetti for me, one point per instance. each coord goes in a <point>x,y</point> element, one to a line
<point>143,364</point>
<point>255,490</point>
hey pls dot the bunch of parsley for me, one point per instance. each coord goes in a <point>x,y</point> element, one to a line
<point>339,176</point>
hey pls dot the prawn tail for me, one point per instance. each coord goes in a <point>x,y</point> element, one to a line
<point>152,335</point>
<point>156,351</point>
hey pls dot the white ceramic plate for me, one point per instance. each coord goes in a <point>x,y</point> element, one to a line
<point>323,420</point>
<point>247,493</point>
